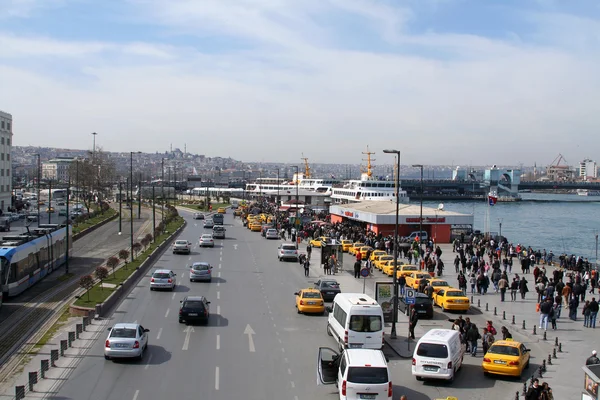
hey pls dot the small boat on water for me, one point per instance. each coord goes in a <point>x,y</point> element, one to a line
<point>587,192</point>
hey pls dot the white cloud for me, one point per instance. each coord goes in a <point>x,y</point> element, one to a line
<point>483,100</point>
<point>25,8</point>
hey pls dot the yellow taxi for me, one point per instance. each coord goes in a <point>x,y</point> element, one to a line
<point>221,210</point>
<point>414,279</point>
<point>255,226</point>
<point>237,212</point>
<point>364,250</point>
<point>50,209</point>
<point>318,241</point>
<point>439,284</point>
<point>382,261</point>
<point>451,299</point>
<point>406,269</point>
<point>346,244</point>
<point>388,268</point>
<point>376,254</point>
<point>355,247</point>
<point>310,301</point>
<point>506,357</point>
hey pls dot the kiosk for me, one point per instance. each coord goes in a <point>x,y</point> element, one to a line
<point>591,381</point>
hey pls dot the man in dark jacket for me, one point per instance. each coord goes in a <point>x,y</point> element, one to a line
<point>357,265</point>
<point>593,359</point>
<point>593,312</point>
<point>533,393</point>
<point>545,309</point>
<point>412,322</point>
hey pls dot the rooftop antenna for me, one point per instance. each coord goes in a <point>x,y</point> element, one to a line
<point>368,160</point>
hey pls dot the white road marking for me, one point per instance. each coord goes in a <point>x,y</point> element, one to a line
<point>218,342</point>
<point>249,331</point>
<point>219,266</point>
<point>289,371</point>
<point>216,378</point>
<point>293,384</point>
<point>295,397</point>
<point>136,394</point>
<point>148,363</point>
<point>286,360</point>
<point>218,284</point>
<point>135,322</point>
<point>182,275</point>
<point>221,259</point>
<point>218,295</point>
<point>190,258</point>
<point>274,326</point>
<point>270,312</point>
<point>159,333</point>
<point>219,310</point>
<point>186,342</point>
<point>280,341</point>
<point>219,274</point>
<point>282,350</point>
<point>167,313</point>
<point>173,297</point>
<point>277,333</point>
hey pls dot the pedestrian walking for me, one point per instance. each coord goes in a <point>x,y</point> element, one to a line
<point>545,309</point>
<point>523,287</point>
<point>357,265</point>
<point>514,288</point>
<point>412,323</point>
<point>505,333</point>
<point>586,314</point>
<point>593,312</point>
<point>306,267</point>
<point>473,336</point>
<point>573,304</point>
<point>534,391</point>
<point>503,285</point>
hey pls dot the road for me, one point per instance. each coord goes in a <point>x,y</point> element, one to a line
<point>255,346</point>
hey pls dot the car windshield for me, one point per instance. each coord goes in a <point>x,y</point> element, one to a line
<point>386,258</point>
<point>504,350</point>
<point>311,295</point>
<point>184,242</point>
<point>271,231</point>
<point>367,375</point>
<point>330,284</point>
<point>410,268</point>
<point>455,294</point>
<point>439,283</point>
<point>288,247</point>
<point>365,323</point>
<point>206,237</point>
<point>432,350</point>
<point>201,267</point>
<point>127,333</point>
<point>161,275</point>
<point>422,300</point>
<point>193,304</point>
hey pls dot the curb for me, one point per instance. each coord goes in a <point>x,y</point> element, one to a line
<point>93,228</point>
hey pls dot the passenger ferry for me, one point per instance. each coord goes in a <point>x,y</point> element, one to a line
<point>368,188</point>
<point>587,192</point>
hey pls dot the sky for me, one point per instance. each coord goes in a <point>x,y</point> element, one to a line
<point>444,81</point>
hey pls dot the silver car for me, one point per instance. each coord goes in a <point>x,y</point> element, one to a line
<point>182,246</point>
<point>163,279</point>
<point>126,341</point>
<point>272,234</point>
<point>201,271</point>
<point>287,252</point>
<point>206,240</point>
<point>198,216</point>
<point>209,223</point>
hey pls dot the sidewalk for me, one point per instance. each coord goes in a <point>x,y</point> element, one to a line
<point>564,375</point>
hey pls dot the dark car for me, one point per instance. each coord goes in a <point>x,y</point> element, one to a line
<point>194,309</point>
<point>328,288</point>
<point>423,305</point>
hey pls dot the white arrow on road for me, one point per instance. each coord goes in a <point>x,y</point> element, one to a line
<point>249,331</point>
<point>188,332</point>
<point>195,224</point>
<point>235,246</point>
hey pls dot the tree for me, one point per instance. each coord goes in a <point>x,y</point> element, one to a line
<point>145,242</point>
<point>136,247</point>
<point>93,176</point>
<point>149,237</point>
<point>124,255</point>
<point>207,203</point>
<point>86,282</point>
<point>101,274</point>
<point>112,262</point>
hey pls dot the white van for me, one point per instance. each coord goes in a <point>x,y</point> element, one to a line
<point>358,373</point>
<point>356,321</point>
<point>413,236</point>
<point>438,355</point>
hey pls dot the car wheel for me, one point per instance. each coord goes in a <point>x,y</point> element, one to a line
<point>442,306</point>
<point>151,289</point>
<point>106,357</point>
<point>180,321</point>
<point>527,364</point>
<point>329,330</point>
<point>419,378</point>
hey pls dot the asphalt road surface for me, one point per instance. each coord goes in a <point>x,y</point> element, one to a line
<point>255,346</point>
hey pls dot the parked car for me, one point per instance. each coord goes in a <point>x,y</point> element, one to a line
<point>126,340</point>
<point>163,279</point>
<point>4,224</point>
<point>194,309</point>
<point>201,271</point>
<point>423,305</point>
<point>182,246</point>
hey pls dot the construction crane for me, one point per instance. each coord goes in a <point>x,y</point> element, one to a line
<point>306,167</point>
<point>558,159</point>
<point>368,153</point>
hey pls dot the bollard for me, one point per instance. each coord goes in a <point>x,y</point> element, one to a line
<point>524,324</point>
<point>471,299</point>
<point>517,396</point>
<point>545,338</point>
<point>531,379</point>
<point>556,341</point>
<point>554,353</point>
<point>504,315</point>
<point>513,320</point>
<point>495,311</point>
<point>560,347</point>
<point>524,388</point>
<point>32,380</point>
<point>44,366</point>
<point>53,357</point>
<point>85,322</point>
<point>487,308</point>
<point>540,371</point>
<point>70,338</point>
<point>549,359</point>
<point>534,331</point>
<point>478,302</point>
<point>19,392</point>
<point>63,347</point>
<point>78,330</point>
<point>543,366</point>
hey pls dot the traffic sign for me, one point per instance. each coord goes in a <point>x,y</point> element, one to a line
<point>364,272</point>
<point>410,296</point>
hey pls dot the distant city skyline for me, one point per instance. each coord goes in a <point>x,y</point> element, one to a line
<point>447,82</point>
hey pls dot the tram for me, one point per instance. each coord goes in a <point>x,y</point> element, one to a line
<point>27,258</point>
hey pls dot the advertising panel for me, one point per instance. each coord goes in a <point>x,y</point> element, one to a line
<point>384,296</point>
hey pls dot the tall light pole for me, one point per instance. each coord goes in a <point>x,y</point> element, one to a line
<point>120,205</point>
<point>131,153</point>
<point>39,178</point>
<point>297,204</point>
<point>500,226</point>
<point>421,212</point>
<point>395,277</point>
<point>162,188</point>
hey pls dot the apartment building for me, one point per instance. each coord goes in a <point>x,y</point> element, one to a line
<point>6,126</point>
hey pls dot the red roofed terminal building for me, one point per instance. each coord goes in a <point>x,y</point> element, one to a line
<point>380,217</point>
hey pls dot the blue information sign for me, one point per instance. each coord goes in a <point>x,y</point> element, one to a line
<point>410,296</point>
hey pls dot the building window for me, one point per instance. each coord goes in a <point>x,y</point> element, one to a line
<point>2,124</point>
<point>8,140</point>
<point>2,157</point>
<point>8,172</point>
<point>2,173</point>
<point>1,188</point>
<point>2,141</point>
<point>8,157</point>
<point>8,126</point>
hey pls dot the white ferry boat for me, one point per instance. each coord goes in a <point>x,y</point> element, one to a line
<point>587,192</point>
<point>368,188</point>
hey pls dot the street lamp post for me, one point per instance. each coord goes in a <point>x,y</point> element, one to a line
<point>39,178</point>
<point>421,212</point>
<point>277,200</point>
<point>131,198</point>
<point>297,204</point>
<point>140,196</point>
<point>395,277</point>
<point>120,205</point>
<point>162,188</point>
<point>500,226</point>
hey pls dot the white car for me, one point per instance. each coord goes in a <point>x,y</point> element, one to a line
<point>206,240</point>
<point>272,234</point>
<point>287,251</point>
<point>209,223</point>
<point>126,341</point>
<point>182,246</point>
<point>198,216</point>
<point>163,279</point>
